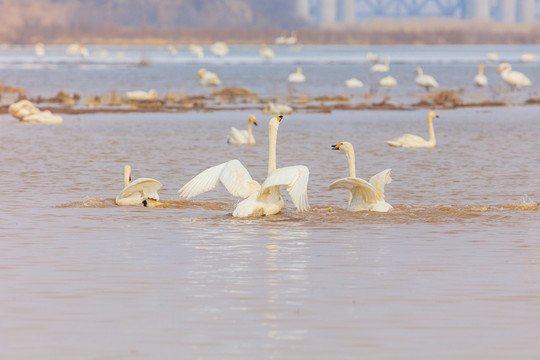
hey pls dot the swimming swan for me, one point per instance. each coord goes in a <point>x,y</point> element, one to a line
<point>297,77</point>
<point>219,48</point>
<point>277,109</point>
<point>388,81</point>
<point>207,78</point>
<point>514,79</point>
<point>425,81</point>
<point>196,50</point>
<point>381,67</point>
<point>528,58</point>
<point>143,191</point>
<point>353,83</point>
<point>243,137</point>
<point>372,58</point>
<point>258,200</point>
<point>363,195</point>
<point>480,79</point>
<point>266,52</point>
<point>413,141</point>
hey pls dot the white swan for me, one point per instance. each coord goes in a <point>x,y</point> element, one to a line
<point>372,58</point>
<point>143,191</point>
<point>266,52</point>
<point>172,50</point>
<point>291,40</point>
<point>141,95</point>
<point>277,109</point>
<point>207,78</point>
<point>528,58</point>
<point>243,137</point>
<point>353,83</point>
<point>280,40</point>
<point>196,50</point>
<point>39,50</point>
<point>480,79</point>
<point>514,79</point>
<point>381,67</point>
<point>258,200</point>
<point>25,111</point>
<point>388,81</point>
<point>363,195</point>
<point>297,77</point>
<point>493,57</point>
<point>219,48</point>
<point>426,81</point>
<point>413,141</point>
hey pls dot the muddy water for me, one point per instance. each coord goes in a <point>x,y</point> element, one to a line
<point>452,272</point>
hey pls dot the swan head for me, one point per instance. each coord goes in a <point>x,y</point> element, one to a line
<point>267,108</point>
<point>252,120</point>
<point>432,114</point>
<point>127,175</point>
<point>419,70</point>
<point>299,70</point>
<point>274,122</point>
<point>343,147</point>
<point>201,72</point>
<point>503,67</point>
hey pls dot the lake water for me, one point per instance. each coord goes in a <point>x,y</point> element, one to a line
<point>453,272</point>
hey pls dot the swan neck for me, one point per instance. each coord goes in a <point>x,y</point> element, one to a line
<point>431,130</point>
<point>251,139</point>
<point>127,175</point>
<point>352,165</point>
<point>272,139</point>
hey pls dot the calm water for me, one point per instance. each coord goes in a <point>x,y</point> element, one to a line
<point>453,272</point>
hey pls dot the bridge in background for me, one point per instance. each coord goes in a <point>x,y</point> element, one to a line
<point>332,12</point>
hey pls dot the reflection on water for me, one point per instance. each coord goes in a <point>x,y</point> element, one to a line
<point>452,272</point>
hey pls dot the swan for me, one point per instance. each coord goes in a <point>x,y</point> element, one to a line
<point>219,48</point>
<point>276,109</point>
<point>425,81</point>
<point>143,191</point>
<point>196,50</point>
<point>39,50</point>
<point>413,141</point>
<point>280,40</point>
<point>372,58</point>
<point>141,95</point>
<point>291,40</point>
<point>243,137</point>
<point>492,56</point>
<point>528,58</point>
<point>266,52</point>
<point>172,50</point>
<point>353,83</point>
<point>514,79</point>
<point>207,78</point>
<point>388,81</point>
<point>258,200</point>
<point>363,195</point>
<point>480,79</point>
<point>297,77</point>
<point>381,67</point>
<point>25,111</point>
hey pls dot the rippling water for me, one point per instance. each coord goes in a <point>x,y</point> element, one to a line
<point>452,272</point>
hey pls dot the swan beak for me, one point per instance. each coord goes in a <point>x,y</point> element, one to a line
<point>336,147</point>
<point>499,69</point>
<point>279,117</point>
<point>436,115</point>
<point>255,123</point>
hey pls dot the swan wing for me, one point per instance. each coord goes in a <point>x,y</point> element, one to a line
<point>232,174</point>
<point>296,178</point>
<point>520,78</point>
<point>237,136</point>
<point>362,192</point>
<point>379,180</point>
<point>407,140</point>
<point>147,187</point>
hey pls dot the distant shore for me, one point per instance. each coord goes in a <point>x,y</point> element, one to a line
<point>380,32</point>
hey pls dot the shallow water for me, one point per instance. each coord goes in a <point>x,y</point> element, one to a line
<point>452,272</point>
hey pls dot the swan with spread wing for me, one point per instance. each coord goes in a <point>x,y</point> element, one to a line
<point>259,199</point>
<point>364,195</point>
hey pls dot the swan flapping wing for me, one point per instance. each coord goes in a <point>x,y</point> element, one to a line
<point>379,180</point>
<point>296,178</point>
<point>147,187</point>
<point>361,190</point>
<point>232,174</point>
